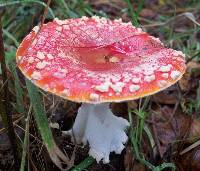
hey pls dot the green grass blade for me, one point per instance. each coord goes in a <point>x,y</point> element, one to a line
<point>39,114</point>
<point>8,3</point>
<point>132,13</point>
<point>84,164</point>
<point>55,153</point>
<point>25,144</point>
<point>69,12</point>
<point>18,90</point>
<point>140,6</point>
<point>11,37</point>
<point>198,97</point>
<point>164,166</point>
<point>150,136</point>
<point>135,141</point>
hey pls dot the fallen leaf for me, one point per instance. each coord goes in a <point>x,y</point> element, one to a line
<point>189,161</point>
<point>173,129</point>
<point>188,80</point>
<point>147,13</point>
<point>130,163</point>
<point>132,104</point>
<point>120,109</point>
<point>168,96</point>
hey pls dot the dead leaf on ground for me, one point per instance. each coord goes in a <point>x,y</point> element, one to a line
<point>112,7</point>
<point>174,134</point>
<point>132,104</point>
<point>168,96</point>
<point>130,163</point>
<point>190,161</point>
<point>170,129</point>
<point>191,77</point>
<point>120,109</point>
<point>147,13</point>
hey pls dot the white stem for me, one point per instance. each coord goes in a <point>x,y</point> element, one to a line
<point>96,124</point>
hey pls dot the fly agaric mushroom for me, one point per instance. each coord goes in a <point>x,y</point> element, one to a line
<point>96,61</point>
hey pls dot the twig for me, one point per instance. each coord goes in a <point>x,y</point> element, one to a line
<point>194,56</point>
<point>26,141</point>
<point>188,15</point>
<point>15,122</point>
<point>31,135</point>
<point>197,143</point>
<point>44,14</point>
<point>155,133</point>
<point>5,107</point>
<point>175,107</point>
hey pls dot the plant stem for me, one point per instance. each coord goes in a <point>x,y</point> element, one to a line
<point>132,13</point>
<point>26,141</point>
<point>135,146</point>
<point>5,107</point>
<point>194,56</point>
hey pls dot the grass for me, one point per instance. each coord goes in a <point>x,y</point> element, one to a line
<point>136,134</point>
<point>84,164</point>
<point>134,14</point>
<point>21,16</point>
<point>26,141</point>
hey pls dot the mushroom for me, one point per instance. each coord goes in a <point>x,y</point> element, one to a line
<point>97,61</point>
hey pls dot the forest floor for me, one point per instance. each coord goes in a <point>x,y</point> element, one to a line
<point>167,123</point>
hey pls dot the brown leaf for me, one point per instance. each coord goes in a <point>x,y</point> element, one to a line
<point>194,132</point>
<point>111,7</point>
<point>132,104</point>
<point>120,109</point>
<point>130,163</point>
<point>147,13</point>
<point>168,96</point>
<point>193,70</point>
<point>173,128</point>
<point>189,161</point>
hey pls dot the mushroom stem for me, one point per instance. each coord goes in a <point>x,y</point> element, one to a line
<point>105,132</point>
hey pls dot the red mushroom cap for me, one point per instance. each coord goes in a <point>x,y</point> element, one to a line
<point>98,60</point>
